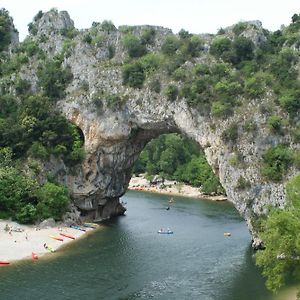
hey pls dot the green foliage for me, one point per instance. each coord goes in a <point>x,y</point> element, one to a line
<point>230,134</point>
<point>171,92</point>
<point>276,161</point>
<point>239,28</point>
<point>29,47</point>
<point>255,86</point>
<point>22,86</point>
<point>250,126</point>
<point>221,47</point>
<point>242,184</point>
<point>150,62</point>
<point>87,38</point>
<point>183,34</point>
<point>111,51</point>
<point>155,85</point>
<point>220,109</point>
<point>280,259</point>
<point>15,190</point>
<point>289,100</point>
<point>5,25</point>
<point>282,248</point>
<point>38,16</point>
<point>133,75</point>
<point>148,36</point>
<point>53,201</point>
<point>108,26</point>
<point>170,45</point>
<point>192,46</point>
<point>176,157</point>
<point>275,124</point>
<point>236,51</point>
<point>53,78</point>
<point>134,46</point>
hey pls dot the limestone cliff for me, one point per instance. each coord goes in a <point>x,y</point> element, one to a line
<point>115,132</point>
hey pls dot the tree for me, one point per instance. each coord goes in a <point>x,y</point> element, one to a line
<point>15,190</point>
<point>282,240</point>
<point>53,201</point>
<point>282,247</point>
<point>134,46</point>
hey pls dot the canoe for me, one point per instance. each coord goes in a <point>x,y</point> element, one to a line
<point>3,262</point>
<point>165,232</point>
<point>56,238</point>
<point>34,255</point>
<point>67,235</point>
<point>78,228</point>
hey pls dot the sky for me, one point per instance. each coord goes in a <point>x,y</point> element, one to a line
<point>196,16</point>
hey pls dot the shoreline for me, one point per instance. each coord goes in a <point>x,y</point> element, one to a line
<point>172,188</point>
<point>19,245</point>
<point>23,240</point>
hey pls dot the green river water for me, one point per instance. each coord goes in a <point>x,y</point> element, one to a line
<point>127,259</point>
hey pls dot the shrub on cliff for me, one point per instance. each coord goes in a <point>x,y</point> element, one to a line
<point>53,78</point>
<point>134,46</point>
<point>276,161</point>
<point>133,75</point>
<point>170,45</point>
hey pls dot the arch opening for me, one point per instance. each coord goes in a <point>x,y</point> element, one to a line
<point>177,159</point>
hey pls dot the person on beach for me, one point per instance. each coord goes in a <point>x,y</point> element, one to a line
<point>6,228</point>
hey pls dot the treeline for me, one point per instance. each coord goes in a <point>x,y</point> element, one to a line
<point>173,156</point>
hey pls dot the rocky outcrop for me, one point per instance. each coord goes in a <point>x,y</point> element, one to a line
<point>116,133</point>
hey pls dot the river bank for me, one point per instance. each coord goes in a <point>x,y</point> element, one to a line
<point>170,187</point>
<point>19,241</point>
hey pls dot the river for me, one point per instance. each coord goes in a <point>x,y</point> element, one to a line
<point>127,259</point>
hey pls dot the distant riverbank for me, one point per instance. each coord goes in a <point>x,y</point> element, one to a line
<point>170,187</point>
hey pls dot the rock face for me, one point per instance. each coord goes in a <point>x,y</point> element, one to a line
<point>116,133</point>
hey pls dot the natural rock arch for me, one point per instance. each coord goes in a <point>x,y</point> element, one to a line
<point>117,121</point>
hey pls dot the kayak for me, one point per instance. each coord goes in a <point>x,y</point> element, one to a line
<point>93,224</point>
<point>51,249</point>
<point>56,238</point>
<point>78,228</point>
<point>34,255</point>
<point>165,232</point>
<point>3,262</point>
<point>90,225</point>
<point>68,236</point>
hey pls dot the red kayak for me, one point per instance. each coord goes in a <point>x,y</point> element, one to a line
<point>3,262</point>
<point>56,238</point>
<point>68,236</point>
<point>34,255</point>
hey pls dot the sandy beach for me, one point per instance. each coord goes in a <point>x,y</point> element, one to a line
<point>16,245</point>
<point>169,187</point>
